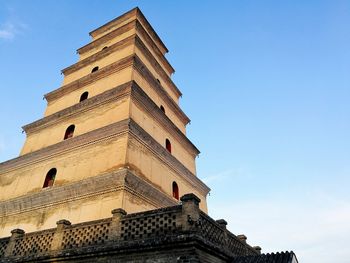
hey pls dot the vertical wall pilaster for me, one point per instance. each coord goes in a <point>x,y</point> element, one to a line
<point>257,249</point>
<point>115,227</point>
<point>190,211</point>
<point>222,223</point>
<point>243,238</point>
<point>58,236</point>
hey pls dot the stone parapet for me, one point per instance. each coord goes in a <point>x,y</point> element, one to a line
<point>169,227</point>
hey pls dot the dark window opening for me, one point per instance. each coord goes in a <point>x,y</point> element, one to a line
<point>50,178</point>
<point>162,108</point>
<point>69,132</point>
<point>104,48</point>
<point>94,69</point>
<point>158,81</point>
<point>175,191</point>
<point>168,145</point>
<point>84,96</point>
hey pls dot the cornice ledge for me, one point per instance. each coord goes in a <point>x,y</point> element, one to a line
<point>114,67</point>
<point>118,180</point>
<point>129,88</point>
<point>120,45</point>
<point>150,29</point>
<point>141,30</point>
<point>112,94</point>
<point>141,187</point>
<point>92,77</point>
<point>139,43</point>
<point>107,37</point>
<point>116,21</point>
<point>101,54</point>
<point>138,15</point>
<point>174,163</point>
<point>146,74</point>
<point>92,137</point>
<point>146,103</point>
<point>55,195</point>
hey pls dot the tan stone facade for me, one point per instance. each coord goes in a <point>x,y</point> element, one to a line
<point>117,155</point>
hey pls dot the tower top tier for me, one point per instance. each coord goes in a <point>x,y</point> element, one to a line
<point>132,15</point>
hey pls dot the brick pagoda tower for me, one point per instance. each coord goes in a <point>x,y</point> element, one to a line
<point>113,136</point>
<point>100,176</point>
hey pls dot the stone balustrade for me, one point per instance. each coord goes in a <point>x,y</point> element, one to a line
<point>165,223</point>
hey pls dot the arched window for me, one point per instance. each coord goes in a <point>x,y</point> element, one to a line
<point>175,191</point>
<point>94,69</point>
<point>84,96</point>
<point>168,145</point>
<point>104,48</point>
<point>69,132</point>
<point>50,178</point>
<point>162,108</point>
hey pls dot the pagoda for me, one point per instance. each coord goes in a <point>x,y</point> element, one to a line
<point>113,136</point>
<point>108,174</point>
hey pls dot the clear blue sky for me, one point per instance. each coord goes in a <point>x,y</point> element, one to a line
<point>266,84</point>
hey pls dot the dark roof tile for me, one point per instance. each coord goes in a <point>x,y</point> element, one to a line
<point>280,257</point>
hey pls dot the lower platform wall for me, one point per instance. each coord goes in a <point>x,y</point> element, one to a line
<point>179,233</point>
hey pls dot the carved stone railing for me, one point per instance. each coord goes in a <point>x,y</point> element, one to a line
<point>215,231</point>
<point>169,222</point>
